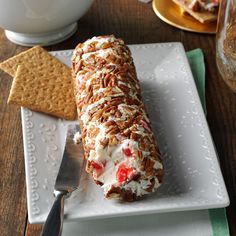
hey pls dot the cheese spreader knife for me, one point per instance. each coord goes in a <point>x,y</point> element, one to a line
<point>66,182</point>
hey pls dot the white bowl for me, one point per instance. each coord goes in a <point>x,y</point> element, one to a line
<point>44,22</point>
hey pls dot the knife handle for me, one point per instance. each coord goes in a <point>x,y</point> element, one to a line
<point>54,222</point>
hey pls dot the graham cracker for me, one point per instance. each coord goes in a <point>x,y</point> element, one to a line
<point>41,83</point>
<point>33,58</point>
<point>203,17</point>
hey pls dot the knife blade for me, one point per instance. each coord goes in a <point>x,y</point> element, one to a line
<point>69,172</point>
<point>66,182</point>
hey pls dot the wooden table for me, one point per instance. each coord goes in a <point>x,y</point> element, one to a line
<point>135,22</point>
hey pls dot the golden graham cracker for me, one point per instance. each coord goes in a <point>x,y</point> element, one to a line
<point>41,83</point>
<point>202,16</point>
<point>29,58</point>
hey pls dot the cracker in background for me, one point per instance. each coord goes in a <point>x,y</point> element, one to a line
<point>203,17</point>
<point>47,89</point>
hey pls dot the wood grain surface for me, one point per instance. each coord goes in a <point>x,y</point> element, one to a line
<point>135,22</point>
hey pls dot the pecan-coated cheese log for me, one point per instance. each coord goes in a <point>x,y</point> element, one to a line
<point>119,145</point>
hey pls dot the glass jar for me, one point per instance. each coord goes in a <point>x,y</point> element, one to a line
<point>226,42</point>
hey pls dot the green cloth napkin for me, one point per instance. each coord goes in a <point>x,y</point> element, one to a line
<point>196,60</point>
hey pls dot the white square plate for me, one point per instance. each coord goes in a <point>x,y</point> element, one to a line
<point>193,179</point>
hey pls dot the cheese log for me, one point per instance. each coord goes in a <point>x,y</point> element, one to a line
<point>120,148</point>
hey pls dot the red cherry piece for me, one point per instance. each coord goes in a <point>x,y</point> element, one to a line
<point>123,173</point>
<point>95,165</point>
<point>127,151</point>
